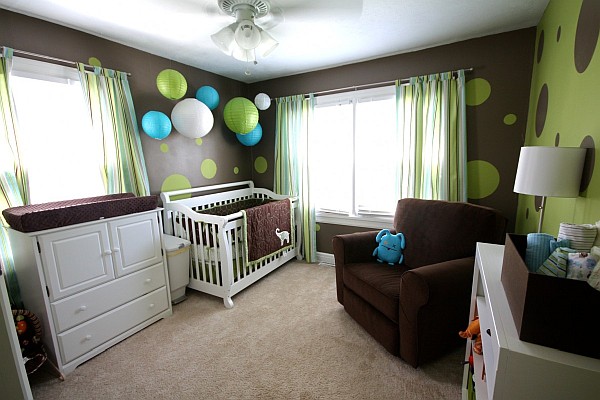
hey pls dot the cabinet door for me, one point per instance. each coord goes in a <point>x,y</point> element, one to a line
<point>135,243</point>
<point>76,259</point>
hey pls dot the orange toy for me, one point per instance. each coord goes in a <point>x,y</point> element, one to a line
<point>473,332</point>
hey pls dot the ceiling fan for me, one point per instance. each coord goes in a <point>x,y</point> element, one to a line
<point>247,37</point>
<point>243,39</point>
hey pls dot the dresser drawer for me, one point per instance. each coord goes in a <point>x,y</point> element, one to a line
<point>86,305</point>
<point>83,338</point>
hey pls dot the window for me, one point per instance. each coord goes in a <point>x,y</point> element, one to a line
<point>59,149</point>
<point>354,154</point>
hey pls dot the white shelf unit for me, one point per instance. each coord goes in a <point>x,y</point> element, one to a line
<point>515,369</point>
<point>93,284</point>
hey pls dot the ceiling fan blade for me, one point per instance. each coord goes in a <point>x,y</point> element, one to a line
<point>319,9</point>
<point>272,19</point>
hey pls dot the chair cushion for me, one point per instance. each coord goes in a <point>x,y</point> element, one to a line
<point>376,283</point>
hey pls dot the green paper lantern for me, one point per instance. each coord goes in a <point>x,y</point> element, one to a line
<point>171,84</point>
<point>240,115</point>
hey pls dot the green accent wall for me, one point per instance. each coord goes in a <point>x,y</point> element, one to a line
<point>564,107</point>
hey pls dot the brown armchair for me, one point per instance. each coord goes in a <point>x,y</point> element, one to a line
<point>416,309</point>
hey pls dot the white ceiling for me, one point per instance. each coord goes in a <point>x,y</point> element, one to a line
<point>314,34</point>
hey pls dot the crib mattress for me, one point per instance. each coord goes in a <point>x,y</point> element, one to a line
<point>37,217</point>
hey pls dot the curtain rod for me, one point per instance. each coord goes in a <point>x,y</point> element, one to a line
<point>49,58</point>
<point>374,85</point>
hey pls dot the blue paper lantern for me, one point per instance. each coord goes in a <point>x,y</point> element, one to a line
<point>156,125</point>
<point>251,138</point>
<point>209,96</point>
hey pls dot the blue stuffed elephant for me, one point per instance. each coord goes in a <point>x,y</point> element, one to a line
<point>390,247</point>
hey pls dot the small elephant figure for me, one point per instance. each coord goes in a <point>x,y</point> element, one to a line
<point>390,247</point>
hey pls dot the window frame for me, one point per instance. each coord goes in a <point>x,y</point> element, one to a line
<point>32,69</point>
<point>356,218</point>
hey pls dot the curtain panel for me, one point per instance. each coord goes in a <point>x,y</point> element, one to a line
<point>13,176</point>
<point>431,121</point>
<point>292,177</point>
<point>113,118</point>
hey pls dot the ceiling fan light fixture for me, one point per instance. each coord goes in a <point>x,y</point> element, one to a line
<point>247,35</point>
<point>267,44</point>
<point>243,55</point>
<point>224,39</point>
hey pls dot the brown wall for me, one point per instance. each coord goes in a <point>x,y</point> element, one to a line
<point>184,156</point>
<point>503,60</point>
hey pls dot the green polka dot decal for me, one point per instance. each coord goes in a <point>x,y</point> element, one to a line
<point>483,179</point>
<point>236,170</point>
<point>199,141</point>
<point>94,61</point>
<point>317,227</point>
<point>164,148</point>
<point>478,90</point>
<point>176,182</point>
<point>510,119</point>
<point>208,168</point>
<point>261,165</point>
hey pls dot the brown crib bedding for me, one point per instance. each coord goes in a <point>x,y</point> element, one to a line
<point>37,217</point>
<point>235,207</point>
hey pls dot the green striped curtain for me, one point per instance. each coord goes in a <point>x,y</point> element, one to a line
<point>113,117</point>
<point>431,122</point>
<point>13,177</point>
<point>292,119</point>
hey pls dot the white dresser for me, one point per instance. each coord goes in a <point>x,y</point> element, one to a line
<point>515,369</point>
<point>93,284</point>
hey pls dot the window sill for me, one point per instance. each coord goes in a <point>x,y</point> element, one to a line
<point>374,222</point>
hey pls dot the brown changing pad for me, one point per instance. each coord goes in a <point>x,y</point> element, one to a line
<point>37,217</point>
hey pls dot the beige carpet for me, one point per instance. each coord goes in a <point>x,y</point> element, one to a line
<point>286,337</point>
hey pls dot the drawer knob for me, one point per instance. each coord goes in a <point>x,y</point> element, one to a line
<point>107,253</point>
<point>116,249</point>
<point>88,337</point>
<point>151,305</point>
<point>148,280</point>
<point>488,332</point>
<point>82,308</point>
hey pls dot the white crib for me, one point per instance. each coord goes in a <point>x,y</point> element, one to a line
<point>218,266</point>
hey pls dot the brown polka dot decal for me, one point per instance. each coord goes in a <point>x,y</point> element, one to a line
<point>590,161</point>
<point>586,37</point>
<point>558,34</point>
<point>557,139</point>
<point>540,48</point>
<point>542,110</point>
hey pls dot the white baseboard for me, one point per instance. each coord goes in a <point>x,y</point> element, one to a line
<point>325,258</point>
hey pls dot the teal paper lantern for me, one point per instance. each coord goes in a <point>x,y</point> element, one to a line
<point>156,125</point>
<point>209,96</point>
<point>171,84</point>
<point>251,138</point>
<point>240,115</point>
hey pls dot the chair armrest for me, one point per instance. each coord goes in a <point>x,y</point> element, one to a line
<point>351,248</point>
<point>434,305</point>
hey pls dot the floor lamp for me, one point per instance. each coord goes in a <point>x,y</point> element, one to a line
<point>549,172</point>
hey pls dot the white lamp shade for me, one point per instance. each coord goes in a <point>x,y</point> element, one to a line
<point>243,55</point>
<point>247,35</point>
<point>550,171</point>
<point>225,39</point>
<point>192,118</point>
<point>267,44</point>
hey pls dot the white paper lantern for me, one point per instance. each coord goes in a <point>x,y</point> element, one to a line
<point>262,101</point>
<point>192,118</point>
